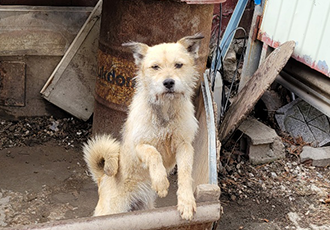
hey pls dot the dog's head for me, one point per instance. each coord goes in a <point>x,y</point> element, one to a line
<point>167,70</point>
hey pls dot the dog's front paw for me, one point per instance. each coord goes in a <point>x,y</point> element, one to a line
<point>161,186</point>
<point>187,207</point>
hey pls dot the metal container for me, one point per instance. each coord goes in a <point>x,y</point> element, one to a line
<point>146,21</point>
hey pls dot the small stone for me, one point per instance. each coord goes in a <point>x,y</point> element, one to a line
<point>264,145</point>
<point>273,174</point>
<point>320,156</point>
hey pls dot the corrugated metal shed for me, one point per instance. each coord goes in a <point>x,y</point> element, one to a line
<point>304,21</point>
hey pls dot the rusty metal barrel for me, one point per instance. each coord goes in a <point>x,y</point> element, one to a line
<point>147,21</point>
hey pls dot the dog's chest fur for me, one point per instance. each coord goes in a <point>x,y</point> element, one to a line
<point>166,121</point>
<point>164,114</point>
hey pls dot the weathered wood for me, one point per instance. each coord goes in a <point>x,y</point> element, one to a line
<point>12,83</point>
<point>254,89</point>
<point>71,85</point>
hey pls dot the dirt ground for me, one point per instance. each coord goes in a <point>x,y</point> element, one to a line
<point>44,178</point>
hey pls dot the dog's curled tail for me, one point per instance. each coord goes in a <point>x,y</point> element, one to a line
<point>101,154</point>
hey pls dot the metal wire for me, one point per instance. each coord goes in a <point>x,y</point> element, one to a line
<point>236,70</point>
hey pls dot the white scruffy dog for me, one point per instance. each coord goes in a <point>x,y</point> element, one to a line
<point>157,135</point>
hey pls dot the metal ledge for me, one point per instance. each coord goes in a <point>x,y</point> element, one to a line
<point>160,218</point>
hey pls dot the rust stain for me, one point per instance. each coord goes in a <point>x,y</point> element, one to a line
<point>115,83</point>
<point>256,28</point>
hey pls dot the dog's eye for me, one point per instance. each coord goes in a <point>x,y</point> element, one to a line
<point>178,65</point>
<point>155,67</point>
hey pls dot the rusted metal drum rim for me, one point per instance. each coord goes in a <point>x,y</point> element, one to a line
<point>146,21</point>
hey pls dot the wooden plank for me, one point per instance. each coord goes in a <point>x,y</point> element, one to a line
<point>71,85</point>
<point>254,89</point>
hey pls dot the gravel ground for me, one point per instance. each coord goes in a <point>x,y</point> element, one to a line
<point>44,176</point>
<point>285,194</point>
<point>68,132</point>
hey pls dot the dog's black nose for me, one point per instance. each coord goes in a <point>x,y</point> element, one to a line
<point>169,83</point>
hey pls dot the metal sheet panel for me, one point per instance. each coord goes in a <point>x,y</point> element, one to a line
<point>39,31</point>
<point>305,22</point>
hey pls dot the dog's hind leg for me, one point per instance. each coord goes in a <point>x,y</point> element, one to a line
<point>112,198</point>
<point>143,199</point>
<point>111,205</point>
<point>115,198</point>
<point>186,199</point>
<point>149,155</point>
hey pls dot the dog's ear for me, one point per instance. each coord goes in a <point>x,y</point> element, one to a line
<point>139,50</point>
<point>192,44</point>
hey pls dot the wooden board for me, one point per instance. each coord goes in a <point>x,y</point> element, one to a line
<point>71,85</point>
<point>254,89</point>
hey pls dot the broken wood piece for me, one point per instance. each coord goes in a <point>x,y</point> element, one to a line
<point>254,89</point>
<point>71,85</point>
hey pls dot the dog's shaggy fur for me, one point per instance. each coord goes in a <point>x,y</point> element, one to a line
<point>157,135</point>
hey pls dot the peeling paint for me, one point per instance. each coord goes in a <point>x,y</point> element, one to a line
<point>318,65</point>
<point>268,40</point>
<point>323,67</point>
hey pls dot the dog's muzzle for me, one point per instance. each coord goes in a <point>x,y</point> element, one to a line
<point>169,85</point>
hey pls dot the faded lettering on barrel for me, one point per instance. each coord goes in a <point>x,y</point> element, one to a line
<point>111,77</point>
<point>115,80</point>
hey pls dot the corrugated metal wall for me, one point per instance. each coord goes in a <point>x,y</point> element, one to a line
<point>305,21</point>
